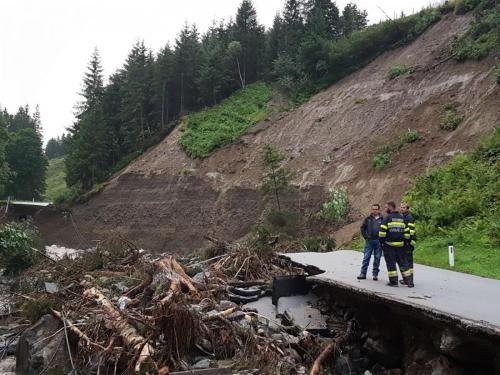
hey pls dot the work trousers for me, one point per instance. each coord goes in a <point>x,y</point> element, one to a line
<point>408,250</point>
<point>394,257</point>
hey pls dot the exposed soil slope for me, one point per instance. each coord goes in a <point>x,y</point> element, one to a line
<point>168,201</point>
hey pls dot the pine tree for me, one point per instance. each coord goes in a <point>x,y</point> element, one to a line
<point>137,91</point>
<point>28,163</point>
<point>4,168</point>
<point>163,82</point>
<point>353,19</point>
<point>21,120</point>
<point>215,75</point>
<point>55,147</point>
<point>323,19</point>
<point>86,162</point>
<point>187,68</point>
<point>250,34</point>
<point>293,21</point>
<point>112,110</point>
<point>277,38</point>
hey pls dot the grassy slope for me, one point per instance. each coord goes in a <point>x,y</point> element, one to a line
<point>56,186</point>
<point>215,127</point>
<point>459,203</point>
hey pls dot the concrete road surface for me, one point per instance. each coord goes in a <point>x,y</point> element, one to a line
<point>473,300</point>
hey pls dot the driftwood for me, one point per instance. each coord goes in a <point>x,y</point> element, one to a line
<point>172,272</point>
<point>82,336</point>
<point>127,332</point>
<point>329,349</point>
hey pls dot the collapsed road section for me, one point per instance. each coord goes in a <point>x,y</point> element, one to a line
<point>448,317</point>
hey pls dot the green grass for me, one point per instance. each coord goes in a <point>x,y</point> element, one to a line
<point>459,203</point>
<point>450,118</point>
<point>215,127</point>
<point>397,70</point>
<point>383,155</point>
<point>56,184</point>
<point>481,37</point>
<point>475,253</point>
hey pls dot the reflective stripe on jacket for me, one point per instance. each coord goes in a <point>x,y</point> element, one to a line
<point>394,231</point>
<point>410,221</point>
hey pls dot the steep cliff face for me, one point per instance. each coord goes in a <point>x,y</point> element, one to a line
<point>168,201</point>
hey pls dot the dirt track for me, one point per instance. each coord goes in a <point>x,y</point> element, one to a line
<point>168,201</point>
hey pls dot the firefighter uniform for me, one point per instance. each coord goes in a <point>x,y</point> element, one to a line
<point>393,235</point>
<point>410,247</point>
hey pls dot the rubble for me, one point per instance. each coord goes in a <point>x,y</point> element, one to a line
<point>117,309</point>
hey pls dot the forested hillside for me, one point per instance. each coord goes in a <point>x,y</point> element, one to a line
<point>310,45</point>
<point>409,109</point>
<point>22,161</point>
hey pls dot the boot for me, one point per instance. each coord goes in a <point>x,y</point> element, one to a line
<point>362,276</point>
<point>409,282</point>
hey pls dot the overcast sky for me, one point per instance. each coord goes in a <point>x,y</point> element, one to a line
<point>45,45</point>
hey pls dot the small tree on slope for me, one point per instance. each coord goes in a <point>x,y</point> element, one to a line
<point>275,178</point>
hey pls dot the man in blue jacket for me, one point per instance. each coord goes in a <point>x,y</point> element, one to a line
<point>369,231</point>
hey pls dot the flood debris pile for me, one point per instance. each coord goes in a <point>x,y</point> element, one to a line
<point>116,309</point>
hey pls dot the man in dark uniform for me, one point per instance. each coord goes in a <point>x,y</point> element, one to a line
<point>404,208</point>
<point>393,235</point>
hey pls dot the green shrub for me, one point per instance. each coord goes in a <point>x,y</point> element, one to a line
<point>318,244</point>
<point>215,127</point>
<point>383,156</point>
<point>16,241</point>
<point>497,72</point>
<point>68,197</point>
<point>397,70</point>
<point>481,37</point>
<point>336,208</point>
<point>33,310</point>
<point>283,222</point>
<point>262,240</point>
<point>464,6</point>
<point>450,118</point>
<point>360,101</point>
<point>409,137</point>
<point>459,202</point>
<point>489,150</point>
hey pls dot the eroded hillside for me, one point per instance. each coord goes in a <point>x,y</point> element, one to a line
<point>168,201</point>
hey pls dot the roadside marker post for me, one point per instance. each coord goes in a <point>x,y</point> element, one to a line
<point>451,255</point>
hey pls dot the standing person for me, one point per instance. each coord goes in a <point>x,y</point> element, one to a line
<point>369,231</point>
<point>404,208</point>
<point>393,235</point>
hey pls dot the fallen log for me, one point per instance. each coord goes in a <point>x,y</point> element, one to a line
<point>329,349</point>
<point>172,272</point>
<point>127,332</point>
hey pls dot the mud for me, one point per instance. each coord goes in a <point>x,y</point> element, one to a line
<point>168,201</point>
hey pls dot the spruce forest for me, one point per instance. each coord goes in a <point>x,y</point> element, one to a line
<point>310,45</point>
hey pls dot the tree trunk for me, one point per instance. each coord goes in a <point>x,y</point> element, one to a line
<point>128,333</point>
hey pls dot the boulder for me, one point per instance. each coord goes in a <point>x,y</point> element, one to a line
<point>42,346</point>
<point>383,351</point>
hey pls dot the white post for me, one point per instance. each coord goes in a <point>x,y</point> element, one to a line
<point>451,255</point>
<point>7,206</point>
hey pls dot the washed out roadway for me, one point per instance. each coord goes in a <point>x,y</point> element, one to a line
<point>471,301</point>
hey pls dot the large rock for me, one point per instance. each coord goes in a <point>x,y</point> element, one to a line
<point>383,351</point>
<point>42,346</point>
